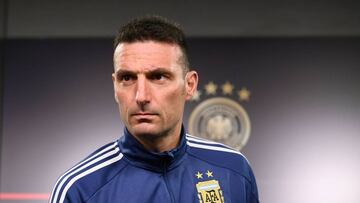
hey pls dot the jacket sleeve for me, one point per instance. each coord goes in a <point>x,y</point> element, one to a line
<point>252,192</point>
<point>69,195</point>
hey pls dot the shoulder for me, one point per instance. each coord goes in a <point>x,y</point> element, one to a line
<point>86,177</point>
<point>219,154</point>
<point>223,156</point>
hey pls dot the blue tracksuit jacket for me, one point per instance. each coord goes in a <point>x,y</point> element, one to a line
<point>196,171</point>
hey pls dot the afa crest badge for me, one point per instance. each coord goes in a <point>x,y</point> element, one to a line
<point>221,118</point>
<point>209,191</point>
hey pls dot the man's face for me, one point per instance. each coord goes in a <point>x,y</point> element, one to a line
<point>150,87</point>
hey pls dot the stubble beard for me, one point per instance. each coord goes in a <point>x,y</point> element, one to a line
<point>158,136</point>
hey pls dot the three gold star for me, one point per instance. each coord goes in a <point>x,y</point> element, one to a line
<point>227,89</point>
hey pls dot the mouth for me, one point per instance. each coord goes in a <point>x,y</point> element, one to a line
<point>143,116</point>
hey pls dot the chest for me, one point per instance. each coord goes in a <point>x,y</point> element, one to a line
<point>190,183</point>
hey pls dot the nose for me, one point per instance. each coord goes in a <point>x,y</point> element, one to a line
<point>142,92</point>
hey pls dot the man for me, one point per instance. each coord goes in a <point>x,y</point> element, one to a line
<point>155,160</point>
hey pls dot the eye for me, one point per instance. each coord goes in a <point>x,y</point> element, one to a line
<point>158,76</point>
<point>126,78</point>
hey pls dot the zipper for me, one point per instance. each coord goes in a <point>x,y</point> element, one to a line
<point>168,188</point>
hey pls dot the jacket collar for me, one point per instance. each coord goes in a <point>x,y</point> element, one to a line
<point>134,151</point>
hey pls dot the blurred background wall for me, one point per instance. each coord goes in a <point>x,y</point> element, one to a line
<point>41,18</point>
<point>299,59</point>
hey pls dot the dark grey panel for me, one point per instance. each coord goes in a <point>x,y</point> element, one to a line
<point>2,18</point>
<point>41,18</point>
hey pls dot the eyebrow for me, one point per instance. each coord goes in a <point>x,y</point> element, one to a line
<point>159,70</point>
<point>124,72</point>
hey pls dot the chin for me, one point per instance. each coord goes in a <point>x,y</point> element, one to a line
<point>145,129</point>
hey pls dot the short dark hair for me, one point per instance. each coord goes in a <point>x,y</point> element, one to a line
<point>154,28</point>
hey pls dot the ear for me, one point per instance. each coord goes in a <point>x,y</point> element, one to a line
<point>191,80</point>
<point>114,83</point>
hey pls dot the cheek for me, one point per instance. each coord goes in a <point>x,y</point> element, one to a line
<point>123,103</point>
<point>175,102</point>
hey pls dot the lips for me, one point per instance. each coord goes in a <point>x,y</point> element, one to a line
<point>143,116</point>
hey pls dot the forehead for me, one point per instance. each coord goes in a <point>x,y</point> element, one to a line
<point>146,54</point>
